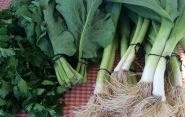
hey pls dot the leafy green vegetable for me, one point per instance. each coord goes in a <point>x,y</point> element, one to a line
<point>91,28</point>
<point>27,78</point>
<point>63,44</point>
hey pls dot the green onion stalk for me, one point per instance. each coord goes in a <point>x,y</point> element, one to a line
<point>123,59</point>
<point>116,83</point>
<point>121,103</point>
<point>165,13</point>
<point>176,94</point>
<point>101,91</point>
<point>156,104</point>
<point>125,36</point>
<point>143,89</point>
<point>121,71</point>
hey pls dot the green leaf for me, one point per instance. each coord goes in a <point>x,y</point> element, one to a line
<point>91,28</point>
<point>3,31</point>
<point>27,23</point>
<point>22,85</point>
<point>47,82</point>
<point>2,102</point>
<point>143,11</point>
<point>51,93</point>
<point>40,91</point>
<point>6,52</point>
<point>154,5</point>
<point>5,89</point>
<point>61,89</point>
<point>43,41</point>
<point>2,113</point>
<point>29,107</point>
<point>38,107</point>
<point>62,40</point>
<point>4,38</point>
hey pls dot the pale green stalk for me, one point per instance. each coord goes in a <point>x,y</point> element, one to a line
<point>124,30</point>
<point>148,48</point>
<point>176,34</point>
<point>121,62</point>
<point>139,39</point>
<point>106,64</point>
<point>152,61</point>
<point>176,77</point>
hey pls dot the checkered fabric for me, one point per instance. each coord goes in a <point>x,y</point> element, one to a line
<point>80,94</point>
<point>4,4</point>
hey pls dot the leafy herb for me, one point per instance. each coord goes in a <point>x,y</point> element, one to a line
<point>27,78</point>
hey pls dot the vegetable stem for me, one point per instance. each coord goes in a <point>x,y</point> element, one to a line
<point>140,38</point>
<point>152,61</point>
<point>121,62</point>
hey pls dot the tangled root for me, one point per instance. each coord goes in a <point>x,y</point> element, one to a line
<point>118,82</point>
<point>167,85</point>
<point>93,108</point>
<point>177,96</point>
<point>123,103</point>
<point>153,106</point>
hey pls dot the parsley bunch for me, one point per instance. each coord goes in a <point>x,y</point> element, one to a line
<point>27,78</point>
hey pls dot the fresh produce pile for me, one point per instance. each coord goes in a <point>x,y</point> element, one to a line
<point>156,27</point>
<point>46,47</point>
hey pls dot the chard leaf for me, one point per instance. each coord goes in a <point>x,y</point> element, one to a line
<point>91,28</point>
<point>27,23</point>
<point>164,8</point>
<point>143,11</point>
<point>34,27</point>
<point>154,5</point>
<point>62,40</point>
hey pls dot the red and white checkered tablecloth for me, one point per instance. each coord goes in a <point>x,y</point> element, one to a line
<point>4,4</point>
<point>80,94</point>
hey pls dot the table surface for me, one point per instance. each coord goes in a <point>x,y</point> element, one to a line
<point>80,94</point>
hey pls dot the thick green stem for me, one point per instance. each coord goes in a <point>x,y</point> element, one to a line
<point>67,70</point>
<point>159,44</point>
<point>61,72</point>
<point>176,78</point>
<point>176,34</point>
<point>124,30</point>
<point>100,81</point>
<point>106,64</point>
<point>148,48</point>
<point>121,62</point>
<point>139,39</point>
